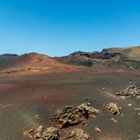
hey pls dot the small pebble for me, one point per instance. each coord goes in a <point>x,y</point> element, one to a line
<point>113,120</point>
<point>97,129</point>
<point>129,105</point>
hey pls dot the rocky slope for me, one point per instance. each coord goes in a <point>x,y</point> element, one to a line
<point>104,58</point>
<point>130,52</point>
<point>7,57</point>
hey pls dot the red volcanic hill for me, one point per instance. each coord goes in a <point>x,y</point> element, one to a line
<point>33,62</point>
<point>35,59</point>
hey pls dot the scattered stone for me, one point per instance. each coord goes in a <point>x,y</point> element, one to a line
<point>29,133</point>
<point>129,105</point>
<point>25,133</point>
<point>71,115</point>
<point>123,97</point>
<point>139,113</point>
<point>38,135</point>
<point>138,137</point>
<point>65,117</point>
<point>113,108</point>
<point>103,89</point>
<point>114,120</point>
<point>40,129</point>
<point>85,108</point>
<point>38,132</point>
<point>51,133</point>
<point>130,91</point>
<point>97,129</point>
<point>37,117</point>
<point>136,109</point>
<point>78,134</point>
<point>138,97</point>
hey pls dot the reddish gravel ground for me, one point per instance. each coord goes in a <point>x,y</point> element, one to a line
<point>25,95</point>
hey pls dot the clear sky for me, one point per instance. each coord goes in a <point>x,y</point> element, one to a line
<point>59,27</point>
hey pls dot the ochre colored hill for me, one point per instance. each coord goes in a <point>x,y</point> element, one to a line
<point>104,58</point>
<point>130,52</point>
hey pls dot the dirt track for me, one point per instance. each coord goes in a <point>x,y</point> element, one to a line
<point>23,97</point>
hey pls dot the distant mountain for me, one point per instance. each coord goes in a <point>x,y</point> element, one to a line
<point>130,52</point>
<point>105,58</point>
<point>7,57</point>
<point>122,58</point>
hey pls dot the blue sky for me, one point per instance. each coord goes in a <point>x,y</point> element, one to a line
<point>59,27</point>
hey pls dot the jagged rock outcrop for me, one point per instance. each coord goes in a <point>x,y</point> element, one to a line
<point>104,58</point>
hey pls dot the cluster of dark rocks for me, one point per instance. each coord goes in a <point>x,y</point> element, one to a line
<point>75,115</point>
<point>129,92</point>
<point>40,133</point>
<point>68,116</point>
<point>99,55</point>
<point>53,133</point>
<point>71,115</point>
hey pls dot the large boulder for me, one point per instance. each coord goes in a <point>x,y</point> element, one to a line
<point>129,91</point>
